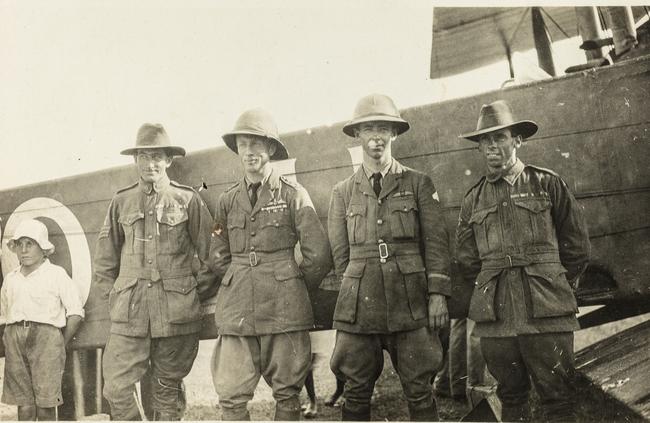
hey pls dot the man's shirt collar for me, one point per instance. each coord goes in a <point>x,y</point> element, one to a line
<point>264,179</point>
<point>383,171</point>
<point>510,176</point>
<point>148,187</point>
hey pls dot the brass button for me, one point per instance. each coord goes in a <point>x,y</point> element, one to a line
<point>513,272</point>
<point>252,219</point>
<point>380,241</point>
<point>252,248</point>
<point>149,261</point>
<point>150,237</point>
<point>253,233</point>
<point>150,213</point>
<point>504,204</point>
<point>380,222</point>
<point>277,225</point>
<point>378,201</point>
<point>351,214</point>
<point>149,285</point>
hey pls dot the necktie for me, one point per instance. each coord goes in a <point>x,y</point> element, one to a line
<point>376,183</point>
<point>254,187</point>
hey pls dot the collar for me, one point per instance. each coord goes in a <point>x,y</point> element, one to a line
<point>510,176</point>
<point>383,171</point>
<point>263,181</point>
<point>148,187</point>
<point>36,271</point>
<point>395,168</point>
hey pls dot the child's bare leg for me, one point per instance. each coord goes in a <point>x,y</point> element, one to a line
<point>27,412</point>
<point>46,414</point>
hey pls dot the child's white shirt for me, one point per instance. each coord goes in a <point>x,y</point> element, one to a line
<point>47,295</point>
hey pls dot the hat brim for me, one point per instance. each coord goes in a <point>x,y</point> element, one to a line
<point>525,128</point>
<point>281,152</point>
<point>172,150</point>
<point>48,247</point>
<point>401,124</point>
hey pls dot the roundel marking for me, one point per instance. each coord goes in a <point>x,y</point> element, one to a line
<point>72,230</point>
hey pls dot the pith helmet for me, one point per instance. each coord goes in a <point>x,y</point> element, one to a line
<point>32,228</point>
<point>257,122</point>
<point>498,115</point>
<point>154,136</point>
<point>376,107</point>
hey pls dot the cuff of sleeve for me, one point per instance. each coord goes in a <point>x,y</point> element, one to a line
<point>439,283</point>
<point>79,312</point>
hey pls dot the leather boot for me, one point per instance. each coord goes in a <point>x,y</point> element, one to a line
<point>357,415</point>
<point>424,414</point>
<point>237,414</point>
<point>288,409</point>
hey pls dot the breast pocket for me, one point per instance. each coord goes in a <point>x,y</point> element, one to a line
<point>534,218</point>
<point>172,225</point>
<point>403,217</point>
<point>236,227</point>
<point>356,222</point>
<point>275,232</point>
<point>133,228</point>
<point>486,229</point>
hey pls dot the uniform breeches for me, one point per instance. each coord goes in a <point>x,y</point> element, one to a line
<point>283,359</point>
<point>545,358</point>
<point>126,360</point>
<point>359,360</point>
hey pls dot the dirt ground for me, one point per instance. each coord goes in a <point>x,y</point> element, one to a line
<point>388,401</point>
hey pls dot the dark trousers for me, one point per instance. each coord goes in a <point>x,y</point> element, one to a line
<point>547,359</point>
<point>359,360</point>
<point>126,360</point>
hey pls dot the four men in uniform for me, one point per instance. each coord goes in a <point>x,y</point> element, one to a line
<point>521,239</point>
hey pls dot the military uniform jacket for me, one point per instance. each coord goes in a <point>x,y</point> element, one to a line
<point>144,255</point>
<point>519,239</point>
<point>390,251</point>
<point>263,289</point>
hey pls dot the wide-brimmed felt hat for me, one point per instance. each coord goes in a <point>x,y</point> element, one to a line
<point>33,229</point>
<point>153,136</point>
<point>257,122</point>
<point>374,108</point>
<point>498,115</point>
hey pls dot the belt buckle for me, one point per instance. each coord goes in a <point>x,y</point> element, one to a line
<point>252,258</point>
<point>26,324</point>
<point>509,260</point>
<point>383,252</point>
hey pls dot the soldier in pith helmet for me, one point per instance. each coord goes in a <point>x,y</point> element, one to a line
<point>390,250</point>
<point>522,241</point>
<point>263,312</point>
<point>143,266</point>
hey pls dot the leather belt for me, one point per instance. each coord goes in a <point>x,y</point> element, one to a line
<point>383,250</point>
<point>520,260</point>
<point>254,258</point>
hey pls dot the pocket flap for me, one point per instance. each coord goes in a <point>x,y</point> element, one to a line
<point>485,276</point>
<point>173,218</point>
<point>355,269</point>
<point>236,220</point>
<point>182,285</point>
<point>130,218</point>
<point>534,206</point>
<point>403,204</point>
<point>124,283</point>
<point>284,271</point>
<point>410,264</point>
<point>478,216</point>
<point>356,210</point>
<point>548,271</point>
